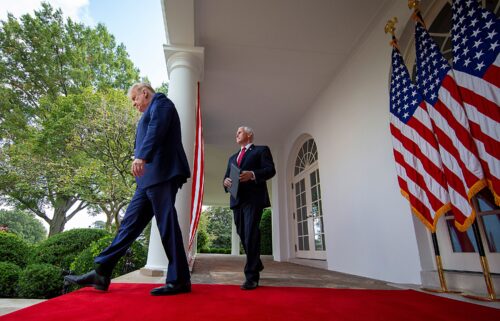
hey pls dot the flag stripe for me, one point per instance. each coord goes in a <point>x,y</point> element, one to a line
<point>435,193</point>
<point>417,196</point>
<point>424,165</point>
<point>476,92</point>
<point>476,61</point>
<point>458,151</point>
<point>492,75</point>
<point>197,188</point>
<point>418,163</point>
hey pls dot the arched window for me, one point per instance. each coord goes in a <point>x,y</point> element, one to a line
<point>308,211</point>
<point>308,154</point>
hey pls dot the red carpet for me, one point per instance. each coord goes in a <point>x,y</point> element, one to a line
<point>132,302</point>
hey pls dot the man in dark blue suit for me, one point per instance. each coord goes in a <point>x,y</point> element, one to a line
<point>160,168</point>
<point>257,166</point>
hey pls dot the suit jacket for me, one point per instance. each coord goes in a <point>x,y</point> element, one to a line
<point>259,160</point>
<point>158,141</point>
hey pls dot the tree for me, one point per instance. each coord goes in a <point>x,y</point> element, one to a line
<point>163,88</point>
<point>49,71</point>
<point>24,224</point>
<point>219,226</point>
<point>107,136</point>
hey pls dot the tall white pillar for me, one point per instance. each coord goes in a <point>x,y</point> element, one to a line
<point>185,66</point>
<point>235,239</point>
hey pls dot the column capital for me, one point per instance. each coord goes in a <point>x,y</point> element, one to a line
<point>186,57</point>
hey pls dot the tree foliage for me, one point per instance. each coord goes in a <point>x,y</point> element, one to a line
<point>23,224</point>
<point>107,136</point>
<point>53,75</point>
<point>218,225</point>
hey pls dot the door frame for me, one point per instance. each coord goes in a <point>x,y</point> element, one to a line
<point>292,179</point>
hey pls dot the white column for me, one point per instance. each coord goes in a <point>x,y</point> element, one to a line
<point>184,67</point>
<point>235,240</point>
<point>156,264</point>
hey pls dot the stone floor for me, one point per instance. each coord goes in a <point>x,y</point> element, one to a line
<point>227,269</point>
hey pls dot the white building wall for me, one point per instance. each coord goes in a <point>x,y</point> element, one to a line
<point>368,224</point>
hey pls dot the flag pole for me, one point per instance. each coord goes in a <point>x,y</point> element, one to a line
<point>484,263</point>
<point>439,265</point>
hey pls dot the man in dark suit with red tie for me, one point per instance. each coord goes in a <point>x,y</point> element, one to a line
<point>160,168</point>
<point>257,166</point>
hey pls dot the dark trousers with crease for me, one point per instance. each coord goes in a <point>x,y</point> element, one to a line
<point>158,201</point>
<point>247,219</point>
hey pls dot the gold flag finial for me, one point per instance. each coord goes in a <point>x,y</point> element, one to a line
<point>414,4</point>
<point>390,26</point>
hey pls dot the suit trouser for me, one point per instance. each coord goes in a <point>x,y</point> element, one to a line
<point>157,200</point>
<point>247,220</point>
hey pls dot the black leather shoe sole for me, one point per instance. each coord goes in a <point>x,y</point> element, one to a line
<point>100,287</point>
<point>171,290</point>
<point>249,285</point>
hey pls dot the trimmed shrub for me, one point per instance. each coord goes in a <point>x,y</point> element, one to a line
<point>133,260</point>
<point>61,249</point>
<point>215,250</point>
<point>9,274</point>
<point>202,241</point>
<point>14,249</point>
<point>266,233</point>
<point>40,281</point>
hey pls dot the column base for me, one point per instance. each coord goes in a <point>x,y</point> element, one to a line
<point>152,271</point>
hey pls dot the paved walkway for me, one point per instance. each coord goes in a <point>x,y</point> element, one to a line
<point>227,269</point>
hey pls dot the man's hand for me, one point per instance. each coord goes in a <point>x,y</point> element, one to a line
<point>138,167</point>
<point>228,182</point>
<point>246,176</point>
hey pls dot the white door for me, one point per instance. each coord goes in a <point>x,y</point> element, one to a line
<point>308,212</point>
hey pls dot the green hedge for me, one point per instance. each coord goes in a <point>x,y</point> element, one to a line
<point>215,250</point>
<point>14,249</point>
<point>9,274</point>
<point>84,262</point>
<point>266,233</point>
<point>40,281</point>
<point>61,249</point>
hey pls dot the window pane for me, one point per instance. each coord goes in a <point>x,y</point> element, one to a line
<point>461,241</point>
<point>313,178</point>
<point>484,206</point>
<point>305,228</point>
<point>306,243</point>
<point>314,194</point>
<point>491,225</point>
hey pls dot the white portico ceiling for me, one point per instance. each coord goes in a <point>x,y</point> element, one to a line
<point>266,61</point>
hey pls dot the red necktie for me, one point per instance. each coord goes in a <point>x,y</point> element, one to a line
<point>240,157</point>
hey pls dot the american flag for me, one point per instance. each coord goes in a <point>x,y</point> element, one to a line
<point>476,44</point>
<point>462,168</point>
<point>418,163</point>
<point>198,177</point>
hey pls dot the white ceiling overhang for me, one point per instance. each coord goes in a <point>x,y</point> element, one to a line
<point>266,62</point>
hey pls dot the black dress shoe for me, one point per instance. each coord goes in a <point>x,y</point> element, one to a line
<point>171,289</point>
<point>249,285</point>
<point>99,282</point>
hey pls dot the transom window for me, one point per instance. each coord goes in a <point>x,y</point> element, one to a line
<point>308,154</point>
